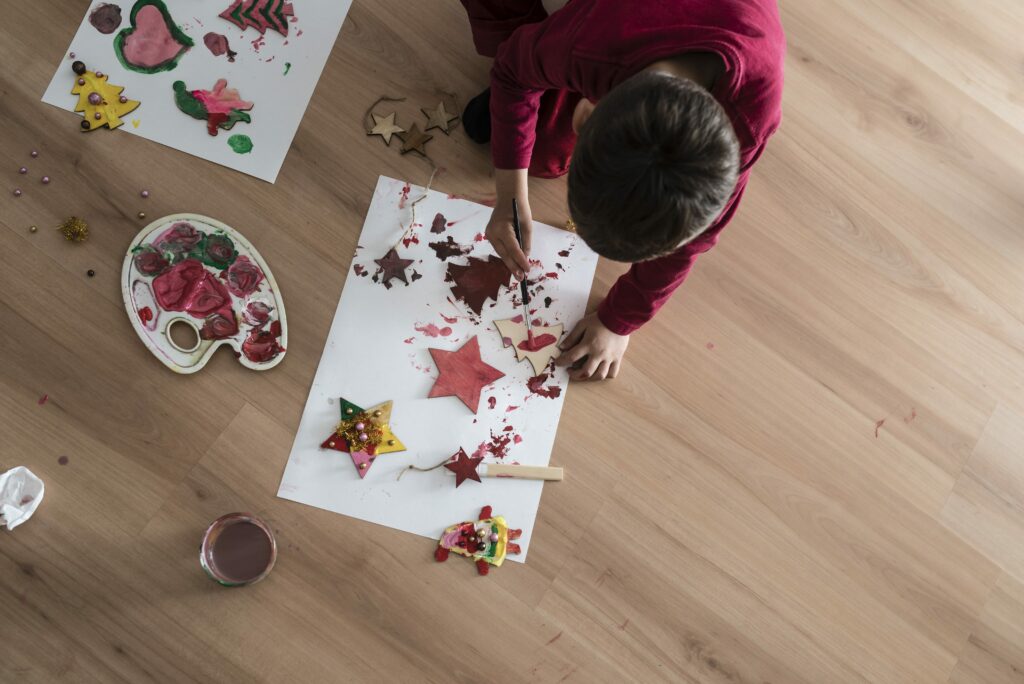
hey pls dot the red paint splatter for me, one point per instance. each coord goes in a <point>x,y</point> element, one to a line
<point>510,409</point>
<point>409,340</point>
<point>479,237</point>
<point>536,385</point>
<point>415,275</point>
<point>445,249</point>
<point>878,424</point>
<point>439,224</point>
<point>518,318</point>
<point>431,330</point>
<point>551,274</point>
<point>537,342</point>
<point>145,314</point>
<point>912,416</point>
<point>710,345</point>
<point>507,428</point>
<point>547,302</point>
<point>450,319</point>
<point>497,446</point>
<point>413,239</point>
<point>359,269</point>
<point>403,196</point>
<point>564,253</point>
<point>63,460</point>
<point>517,439</point>
<point>43,399</point>
<point>491,402</point>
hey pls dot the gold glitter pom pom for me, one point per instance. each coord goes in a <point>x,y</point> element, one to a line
<point>570,226</point>
<point>74,228</point>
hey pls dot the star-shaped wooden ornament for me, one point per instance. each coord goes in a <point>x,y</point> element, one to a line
<point>464,466</point>
<point>538,351</point>
<point>439,118</point>
<point>385,127</point>
<point>413,140</point>
<point>392,266</point>
<point>364,434</point>
<point>462,373</point>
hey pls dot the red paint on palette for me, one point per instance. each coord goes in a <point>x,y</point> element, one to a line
<point>145,314</point>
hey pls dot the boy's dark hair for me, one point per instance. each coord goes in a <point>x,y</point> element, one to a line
<point>653,166</point>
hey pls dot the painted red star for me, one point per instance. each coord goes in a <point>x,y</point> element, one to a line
<point>392,266</point>
<point>462,374</point>
<point>464,466</point>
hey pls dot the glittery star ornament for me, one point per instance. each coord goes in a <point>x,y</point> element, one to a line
<point>392,266</point>
<point>539,350</point>
<point>385,127</point>
<point>414,140</point>
<point>364,434</point>
<point>464,466</point>
<point>439,118</point>
<point>486,541</point>
<point>478,280</point>
<point>462,373</point>
<point>74,229</point>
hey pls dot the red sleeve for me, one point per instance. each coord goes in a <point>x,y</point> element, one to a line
<point>493,21</point>
<point>535,58</point>
<point>643,289</point>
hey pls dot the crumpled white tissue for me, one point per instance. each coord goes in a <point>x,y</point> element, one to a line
<point>20,494</point>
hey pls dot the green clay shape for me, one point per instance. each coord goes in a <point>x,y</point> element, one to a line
<point>174,33</point>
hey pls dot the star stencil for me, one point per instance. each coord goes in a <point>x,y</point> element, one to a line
<point>439,118</point>
<point>462,373</point>
<point>392,266</point>
<point>379,439</point>
<point>464,466</point>
<point>414,139</point>
<point>385,127</point>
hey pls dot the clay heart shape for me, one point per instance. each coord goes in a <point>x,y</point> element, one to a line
<point>153,43</point>
<point>195,272</point>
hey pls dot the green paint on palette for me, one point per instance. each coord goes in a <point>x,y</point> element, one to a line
<point>287,67</point>
<point>242,144</point>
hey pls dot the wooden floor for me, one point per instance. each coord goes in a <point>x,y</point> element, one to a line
<point>833,486</point>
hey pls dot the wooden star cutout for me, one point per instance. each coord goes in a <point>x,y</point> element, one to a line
<point>385,127</point>
<point>462,374</point>
<point>544,348</point>
<point>464,466</point>
<point>392,266</point>
<point>413,140</point>
<point>439,118</point>
<point>376,422</point>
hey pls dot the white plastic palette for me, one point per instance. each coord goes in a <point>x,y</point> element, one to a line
<point>192,270</point>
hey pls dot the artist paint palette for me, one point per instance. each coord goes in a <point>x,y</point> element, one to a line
<point>194,272</point>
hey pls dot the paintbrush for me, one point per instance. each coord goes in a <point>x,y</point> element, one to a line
<point>523,284</point>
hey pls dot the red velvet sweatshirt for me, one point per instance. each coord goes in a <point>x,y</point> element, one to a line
<point>544,64</point>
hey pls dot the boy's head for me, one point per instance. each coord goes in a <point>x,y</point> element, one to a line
<point>653,166</point>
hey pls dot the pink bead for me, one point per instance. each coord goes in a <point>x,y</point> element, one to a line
<point>144,193</point>
<point>97,116</point>
<point>95,99</point>
<point>71,55</point>
<point>81,81</point>
<point>45,180</point>
<point>363,437</point>
<point>360,426</point>
<point>99,74</point>
<point>34,154</point>
<point>494,536</point>
<point>17,192</point>
<point>122,99</point>
<point>23,170</point>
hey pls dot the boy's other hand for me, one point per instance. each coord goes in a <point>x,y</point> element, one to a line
<point>592,351</point>
<point>503,237</point>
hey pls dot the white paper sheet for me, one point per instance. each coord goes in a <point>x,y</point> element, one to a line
<point>258,73</point>
<point>374,353</point>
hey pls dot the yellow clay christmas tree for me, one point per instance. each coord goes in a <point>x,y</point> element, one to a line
<point>102,103</point>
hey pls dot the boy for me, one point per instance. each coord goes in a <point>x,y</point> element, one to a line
<point>668,104</point>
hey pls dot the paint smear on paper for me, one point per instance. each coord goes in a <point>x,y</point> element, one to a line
<point>445,249</point>
<point>439,225</point>
<point>240,143</point>
<point>287,67</point>
<point>106,18</point>
<point>431,330</point>
<point>536,385</point>
<point>537,342</point>
<point>491,401</point>
<point>217,43</point>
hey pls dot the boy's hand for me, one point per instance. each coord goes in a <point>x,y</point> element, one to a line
<point>511,183</point>
<point>592,351</point>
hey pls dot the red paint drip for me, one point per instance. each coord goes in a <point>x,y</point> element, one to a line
<point>491,401</point>
<point>403,196</point>
<point>878,424</point>
<point>536,385</point>
<point>538,342</point>
<point>43,399</point>
<point>450,319</point>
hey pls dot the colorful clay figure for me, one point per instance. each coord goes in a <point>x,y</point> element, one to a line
<point>101,103</point>
<point>487,541</point>
<point>364,434</point>
<point>193,270</point>
<point>220,107</point>
<point>153,43</point>
<point>260,15</point>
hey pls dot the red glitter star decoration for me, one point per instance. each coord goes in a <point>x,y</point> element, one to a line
<point>392,266</point>
<point>464,466</point>
<point>462,374</point>
<point>478,280</point>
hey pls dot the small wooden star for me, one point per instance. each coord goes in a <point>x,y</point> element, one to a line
<point>464,466</point>
<point>392,266</point>
<point>413,140</point>
<point>439,118</point>
<point>385,127</point>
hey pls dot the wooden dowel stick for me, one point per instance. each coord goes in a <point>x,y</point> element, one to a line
<point>524,472</point>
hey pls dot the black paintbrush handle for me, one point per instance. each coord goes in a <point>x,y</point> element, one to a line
<point>519,238</point>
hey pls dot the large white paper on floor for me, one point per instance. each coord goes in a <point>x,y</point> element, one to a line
<point>377,350</point>
<point>258,73</point>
